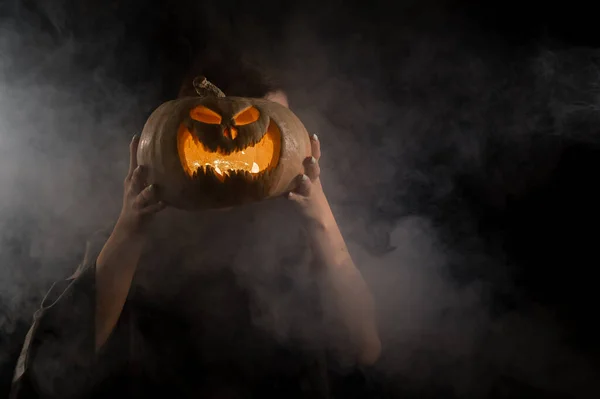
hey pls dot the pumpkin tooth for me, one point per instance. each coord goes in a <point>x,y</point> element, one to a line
<point>196,173</point>
<point>202,173</point>
<point>212,174</point>
<point>202,178</point>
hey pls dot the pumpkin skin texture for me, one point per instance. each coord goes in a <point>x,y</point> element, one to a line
<point>216,151</point>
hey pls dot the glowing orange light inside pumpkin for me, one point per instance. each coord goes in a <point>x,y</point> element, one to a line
<point>247,116</point>
<point>253,159</point>
<point>206,115</point>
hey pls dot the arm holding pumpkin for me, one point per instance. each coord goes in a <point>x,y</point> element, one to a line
<point>117,262</point>
<point>344,284</point>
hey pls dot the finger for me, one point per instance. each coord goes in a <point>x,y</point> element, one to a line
<point>138,180</point>
<point>153,208</point>
<point>146,198</point>
<point>312,168</point>
<point>293,196</point>
<point>304,186</point>
<point>133,155</point>
<point>315,146</point>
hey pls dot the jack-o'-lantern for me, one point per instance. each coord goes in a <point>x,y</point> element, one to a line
<point>214,151</point>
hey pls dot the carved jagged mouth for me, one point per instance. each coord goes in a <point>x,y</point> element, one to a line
<point>233,187</point>
<point>250,163</point>
<point>208,173</point>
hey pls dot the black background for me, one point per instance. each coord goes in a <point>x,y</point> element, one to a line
<point>539,220</point>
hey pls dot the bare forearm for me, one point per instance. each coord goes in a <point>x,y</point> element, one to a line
<point>115,268</point>
<point>345,285</point>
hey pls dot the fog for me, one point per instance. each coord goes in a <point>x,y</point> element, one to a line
<point>402,119</point>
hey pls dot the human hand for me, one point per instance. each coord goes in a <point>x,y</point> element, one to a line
<point>140,201</point>
<point>309,193</point>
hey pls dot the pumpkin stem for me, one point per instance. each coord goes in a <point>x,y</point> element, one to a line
<point>205,88</point>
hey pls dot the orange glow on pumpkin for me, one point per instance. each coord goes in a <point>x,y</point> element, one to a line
<point>205,115</point>
<point>247,116</point>
<point>254,159</point>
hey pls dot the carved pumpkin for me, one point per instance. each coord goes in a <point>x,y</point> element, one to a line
<point>216,151</point>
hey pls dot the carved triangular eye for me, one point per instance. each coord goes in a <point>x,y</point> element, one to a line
<point>205,115</point>
<point>247,116</point>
